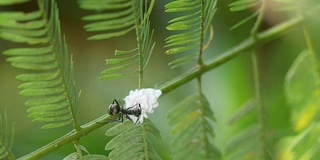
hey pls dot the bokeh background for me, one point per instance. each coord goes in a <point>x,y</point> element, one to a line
<point>227,87</point>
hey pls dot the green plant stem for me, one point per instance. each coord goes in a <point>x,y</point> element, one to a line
<point>200,61</point>
<point>68,138</point>
<point>139,42</point>
<point>247,44</point>
<point>77,146</point>
<point>261,108</point>
<point>258,22</point>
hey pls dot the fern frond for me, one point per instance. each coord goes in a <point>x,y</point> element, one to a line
<point>241,5</point>
<point>5,142</point>
<point>132,141</point>
<point>117,18</point>
<point>50,70</point>
<point>193,131</point>
<point>191,28</point>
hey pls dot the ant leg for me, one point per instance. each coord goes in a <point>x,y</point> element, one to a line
<point>121,114</point>
<point>115,101</point>
<point>137,120</point>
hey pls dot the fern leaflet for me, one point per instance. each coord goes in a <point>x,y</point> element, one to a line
<point>193,131</point>
<point>132,141</point>
<point>191,28</point>
<point>50,70</point>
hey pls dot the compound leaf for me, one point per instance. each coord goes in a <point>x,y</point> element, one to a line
<point>49,78</point>
<point>301,92</point>
<point>132,141</point>
<point>193,138</point>
<point>191,28</point>
<point>115,19</point>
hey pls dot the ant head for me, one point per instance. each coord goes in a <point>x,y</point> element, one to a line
<point>114,108</point>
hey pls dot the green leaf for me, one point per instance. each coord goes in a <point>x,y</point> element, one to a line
<point>119,53</point>
<point>116,76</point>
<point>121,127</point>
<point>240,145</point>
<point>120,60</point>
<point>118,68</point>
<point>243,5</point>
<point>29,77</point>
<point>117,18</point>
<point>48,76</point>
<point>48,107</point>
<point>95,157</point>
<point>98,17</point>
<point>300,146</point>
<point>45,100</point>
<point>30,59</point>
<point>42,84</point>
<point>54,119</point>
<point>11,2</point>
<point>101,5</point>
<point>191,28</point>
<point>132,141</point>
<point>245,20</point>
<point>35,66</point>
<point>192,131</point>
<point>243,111</point>
<point>302,92</point>
<point>71,156</point>
<point>56,124</point>
<point>12,37</point>
<point>28,51</point>
<point>110,35</point>
<point>42,91</point>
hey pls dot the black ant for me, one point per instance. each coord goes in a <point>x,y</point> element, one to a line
<point>115,108</point>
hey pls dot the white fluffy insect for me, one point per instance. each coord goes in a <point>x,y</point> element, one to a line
<point>145,99</point>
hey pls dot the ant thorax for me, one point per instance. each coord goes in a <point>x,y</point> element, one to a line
<point>133,113</point>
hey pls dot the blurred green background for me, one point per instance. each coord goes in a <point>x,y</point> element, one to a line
<point>227,87</point>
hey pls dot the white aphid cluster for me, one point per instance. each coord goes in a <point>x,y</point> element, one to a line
<point>148,100</point>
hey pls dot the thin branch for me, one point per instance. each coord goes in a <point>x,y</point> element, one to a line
<point>77,146</point>
<point>247,44</point>
<point>68,138</point>
<point>200,61</point>
<point>258,22</point>
<point>262,110</point>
